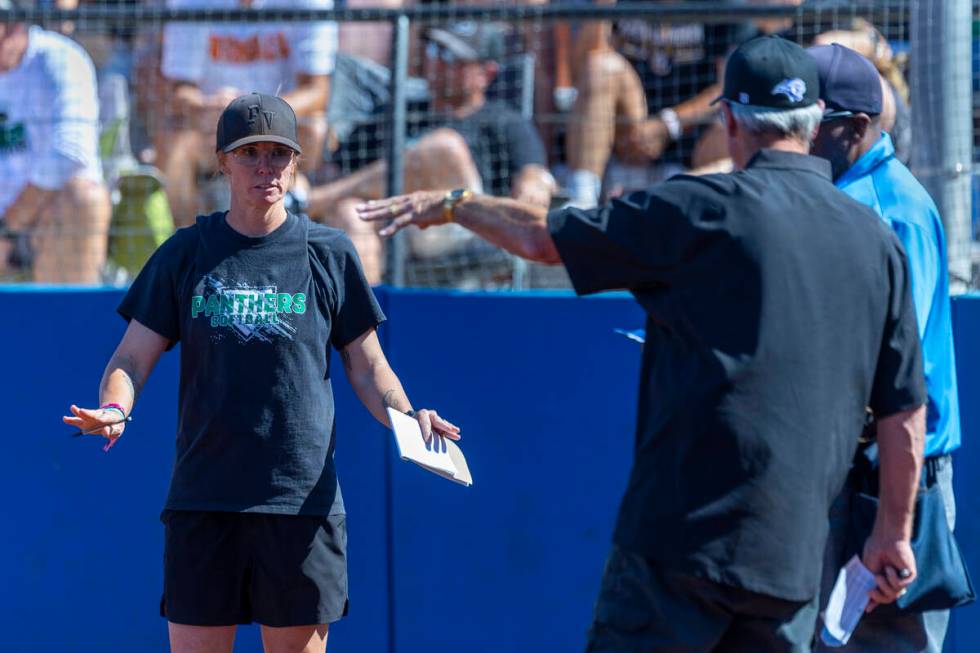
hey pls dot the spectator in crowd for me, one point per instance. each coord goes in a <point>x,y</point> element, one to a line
<point>370,41</point>
<point>211,64</point>
<point>54,205</point>
<point>473,142</point>
<point>865,167</point>
<point>641,94</point>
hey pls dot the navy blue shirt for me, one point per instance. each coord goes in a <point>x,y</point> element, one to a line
<point>255,318</point>
<point>777,309</point>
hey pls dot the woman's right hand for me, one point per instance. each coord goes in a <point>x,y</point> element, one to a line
<point>107,422</point>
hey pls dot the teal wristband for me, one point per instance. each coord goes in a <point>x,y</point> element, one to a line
<point>115,407</point>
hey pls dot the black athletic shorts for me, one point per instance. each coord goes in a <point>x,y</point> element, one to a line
<point>225,568</point>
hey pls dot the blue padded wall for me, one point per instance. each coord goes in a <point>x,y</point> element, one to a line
<point>964,632</point>
<point>544,391</point>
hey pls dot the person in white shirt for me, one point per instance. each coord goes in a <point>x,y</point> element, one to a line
<point>209,64</point>
<point>54,206</point>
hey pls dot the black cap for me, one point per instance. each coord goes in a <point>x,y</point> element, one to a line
<point>769,71</point>
<point>470,41</point>
<point>849,83</point>
<point>257,118</point>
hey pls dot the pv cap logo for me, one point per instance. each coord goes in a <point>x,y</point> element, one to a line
<point>794,89</point>
<point>253,114</point>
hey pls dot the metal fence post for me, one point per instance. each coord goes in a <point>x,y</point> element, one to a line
<point>397,116</point>
<point>941,86</point>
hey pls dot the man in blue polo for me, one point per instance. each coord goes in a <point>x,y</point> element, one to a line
<point>864,166</point>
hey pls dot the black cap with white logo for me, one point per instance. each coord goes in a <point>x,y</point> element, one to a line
<point>772,72</point>
<point>257,118</point>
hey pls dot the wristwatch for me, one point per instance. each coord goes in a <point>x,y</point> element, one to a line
<point>450,201</point>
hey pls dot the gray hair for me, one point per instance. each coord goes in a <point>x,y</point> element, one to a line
<point>795,123</point>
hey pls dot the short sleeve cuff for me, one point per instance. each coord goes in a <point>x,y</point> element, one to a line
<point>53,172</point>
<point>899,403</point>
<point>150,322</point>
<point>570,240</point>
<point>352,333</point>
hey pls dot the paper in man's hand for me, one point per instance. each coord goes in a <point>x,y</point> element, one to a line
<point>847,602</point>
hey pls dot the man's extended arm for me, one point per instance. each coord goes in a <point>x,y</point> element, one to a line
<point>533,184</point>
<point>519,228</point>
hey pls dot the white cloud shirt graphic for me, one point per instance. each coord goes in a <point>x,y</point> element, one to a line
<point>794,89</point>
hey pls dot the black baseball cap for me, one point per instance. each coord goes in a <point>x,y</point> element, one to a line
<point>470,41</point>
<point>257,118</point>
<point>849,83</point>
<point>770,71</point>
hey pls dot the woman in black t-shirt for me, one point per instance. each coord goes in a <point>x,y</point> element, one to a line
<point>254,519</point>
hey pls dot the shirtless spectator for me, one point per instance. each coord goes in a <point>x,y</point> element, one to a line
<point>472,142</point>
<point>211,64</point>
<point>368,40</point>
<point>643,90</point>
<point>55,208</point>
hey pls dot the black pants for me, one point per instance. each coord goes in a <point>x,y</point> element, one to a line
<point>643,608</point>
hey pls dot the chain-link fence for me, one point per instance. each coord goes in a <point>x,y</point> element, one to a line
<point>106,148</point>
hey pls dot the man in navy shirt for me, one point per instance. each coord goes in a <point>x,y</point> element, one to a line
<point>778,308</point>
<point>864,166</point>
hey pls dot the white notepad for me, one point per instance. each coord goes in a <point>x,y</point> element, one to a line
<point>440,455</point>
<point>847,602</point>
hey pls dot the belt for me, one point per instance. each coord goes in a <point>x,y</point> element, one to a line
<point>931,467</point>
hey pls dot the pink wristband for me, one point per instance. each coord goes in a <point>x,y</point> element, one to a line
<point>113,406</point>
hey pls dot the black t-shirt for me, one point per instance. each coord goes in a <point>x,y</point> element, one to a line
<point>256,318</point>
<point>675,62</point>
<point>501,143</point>
<point>777,309</point>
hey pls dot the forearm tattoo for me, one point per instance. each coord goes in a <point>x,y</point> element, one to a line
<point>345,357</point>
<point>133,381</point>
<point>389,402</point>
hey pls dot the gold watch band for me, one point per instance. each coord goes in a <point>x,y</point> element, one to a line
<point>450,201</point>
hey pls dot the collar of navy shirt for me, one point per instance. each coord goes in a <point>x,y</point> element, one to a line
<point>782,160</point>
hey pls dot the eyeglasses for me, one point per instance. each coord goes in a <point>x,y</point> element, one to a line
<point>836,115</point>
<point>249,155</point>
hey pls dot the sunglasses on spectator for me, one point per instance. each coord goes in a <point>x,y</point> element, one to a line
<point>435,51</point>
<point>249,155</point>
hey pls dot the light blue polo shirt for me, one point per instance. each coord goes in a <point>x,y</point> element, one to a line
<point>882,182</point>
